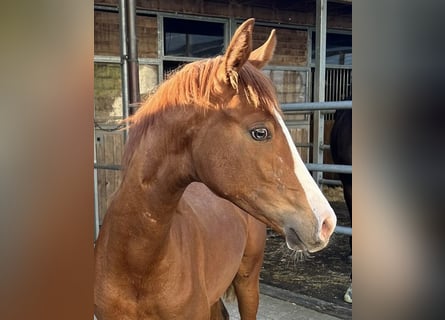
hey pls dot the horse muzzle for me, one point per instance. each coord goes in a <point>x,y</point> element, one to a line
<point>300,238</point>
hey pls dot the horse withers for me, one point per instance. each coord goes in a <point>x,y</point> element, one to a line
<point>207,164</point>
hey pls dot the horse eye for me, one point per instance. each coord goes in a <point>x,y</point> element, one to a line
<point>260,134</point>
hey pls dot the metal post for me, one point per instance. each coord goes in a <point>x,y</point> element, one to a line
<point>133,63</point>
<point>96,199</point>
<point>124,58</point>
<point>319,84</point>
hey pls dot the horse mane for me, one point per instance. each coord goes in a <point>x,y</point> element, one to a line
<point>195,85</point>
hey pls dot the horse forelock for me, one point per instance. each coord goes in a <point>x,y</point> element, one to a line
<point>196,86</point>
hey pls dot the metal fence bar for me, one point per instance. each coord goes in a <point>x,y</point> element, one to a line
<point>343,230</point>
<point>108,166</point>
<point>337,168</point>
<point>331,182</point>
<point>314,106</point>
<point>303,145</point>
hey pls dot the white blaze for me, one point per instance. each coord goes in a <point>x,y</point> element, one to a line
<point>319,204</point>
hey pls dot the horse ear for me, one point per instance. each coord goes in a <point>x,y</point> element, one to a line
<point>237,53</point>
<point>262,55</point>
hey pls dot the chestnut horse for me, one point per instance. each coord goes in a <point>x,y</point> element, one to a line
<point>208,162</point>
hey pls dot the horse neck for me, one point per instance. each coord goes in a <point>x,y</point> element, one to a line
<point>163,159</point>
<point>142,210</point>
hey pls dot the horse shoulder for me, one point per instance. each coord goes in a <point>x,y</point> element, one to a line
<point>216,231</point>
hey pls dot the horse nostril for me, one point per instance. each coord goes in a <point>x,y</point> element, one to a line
<point>327,228</point>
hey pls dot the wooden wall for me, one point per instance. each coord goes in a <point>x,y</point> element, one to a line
<point>298,12</point>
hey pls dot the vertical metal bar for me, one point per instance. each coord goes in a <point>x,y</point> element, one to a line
<point>348,87</point>
<point>342,86</point>
<point>328,77</point>
<point>337,84</point>
<point>161,51</point>
<point>227,32</point>
<point>319,89</point>
<point>96,191</point>
<point>96,198</point>
<point>338,89</point>
<point>334,83</point>
<point>349,83</point>
<point>232,29</point>
<point>327,91</point>
<point>124,62</point>
<point>187,45</point>
<point>133,63</point>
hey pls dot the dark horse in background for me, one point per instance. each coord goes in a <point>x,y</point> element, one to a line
<point>341,150</point>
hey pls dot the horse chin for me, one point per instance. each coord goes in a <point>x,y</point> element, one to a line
<point>293,241</point>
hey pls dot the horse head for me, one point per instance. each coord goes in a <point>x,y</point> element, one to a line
<point>244,153</point>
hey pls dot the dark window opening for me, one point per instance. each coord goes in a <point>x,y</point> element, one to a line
<point>189,38</point>
<point>338,49</point>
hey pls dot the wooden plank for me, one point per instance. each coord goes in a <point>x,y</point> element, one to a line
<point>106,33</point>
<point>147,35</point>
<point>108,151</point>
<point>101,175</point>
<point>299,136</point>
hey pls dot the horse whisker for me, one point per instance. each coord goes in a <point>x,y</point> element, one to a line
<point>292,256</point>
